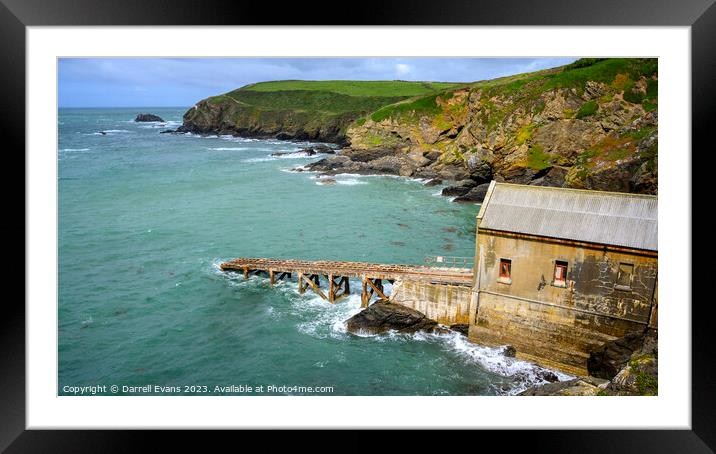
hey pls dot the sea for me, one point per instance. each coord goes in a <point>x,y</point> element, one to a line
<point>145,219</point>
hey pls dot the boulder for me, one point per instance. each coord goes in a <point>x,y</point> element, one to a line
<point>428,173</point>
<point>367,155</point>
<point>330,164</point>
<point>609,359</point>
<point>553,177</point>
<point>384,316</point>
<point>392,165</point>
<point>453,173</point>
<point>583,386</point>
<point>462,187</point>
<point>474,195</point>
<point>148,117</point>
<point>320,148</point>
<point>639,377</point>
<point>461,328</point>
<point>418,159</point>
<point>283,136</point>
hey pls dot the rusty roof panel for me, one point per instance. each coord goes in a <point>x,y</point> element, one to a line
<point>619,219</point>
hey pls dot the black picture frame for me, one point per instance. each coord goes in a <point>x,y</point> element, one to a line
<point>700,15</point>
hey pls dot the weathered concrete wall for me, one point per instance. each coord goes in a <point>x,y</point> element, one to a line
<point>557,325</point>
<point>446,304</point>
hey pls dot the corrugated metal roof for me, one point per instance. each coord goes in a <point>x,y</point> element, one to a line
<point>619,219</point>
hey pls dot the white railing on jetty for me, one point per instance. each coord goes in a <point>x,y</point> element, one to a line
<point>448,261</point>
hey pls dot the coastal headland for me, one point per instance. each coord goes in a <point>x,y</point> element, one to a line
<point>591,124</point>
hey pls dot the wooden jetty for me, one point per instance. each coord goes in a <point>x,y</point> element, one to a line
<point>337,274</point>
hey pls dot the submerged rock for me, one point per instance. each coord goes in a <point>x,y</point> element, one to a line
<point>148,117</point>
<point>384,316</point>
<point>327,181</point>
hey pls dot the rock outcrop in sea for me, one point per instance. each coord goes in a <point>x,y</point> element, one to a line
<point>142,117</point>
<point>384,316</point>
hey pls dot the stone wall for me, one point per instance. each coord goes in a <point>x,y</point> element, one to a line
<point>446,304</point>
<point>551,324</point>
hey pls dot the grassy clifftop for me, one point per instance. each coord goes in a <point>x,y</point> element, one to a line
<point>590,124</point>
<point>318,110</point>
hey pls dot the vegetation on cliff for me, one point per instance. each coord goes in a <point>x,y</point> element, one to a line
<point>591,124</point>
<point>293,109</point>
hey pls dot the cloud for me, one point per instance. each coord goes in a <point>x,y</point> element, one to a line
<point>402,69</point>
<point>181,82</point>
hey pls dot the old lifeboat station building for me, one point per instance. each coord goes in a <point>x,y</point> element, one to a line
<point>559,272</point>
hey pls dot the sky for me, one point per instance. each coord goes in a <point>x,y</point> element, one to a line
<point>182,82</point>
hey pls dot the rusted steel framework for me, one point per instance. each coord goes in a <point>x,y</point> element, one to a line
<point>337,274</point>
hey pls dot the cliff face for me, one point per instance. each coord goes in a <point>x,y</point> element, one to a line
<point>592,124</point>
<point>227,116</point>
<point>301,110</point>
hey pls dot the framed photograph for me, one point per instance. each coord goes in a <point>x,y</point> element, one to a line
<point>431,221</point>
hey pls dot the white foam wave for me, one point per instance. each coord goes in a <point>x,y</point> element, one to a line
<point>294,156</point>
<point>524,374</point>
<point>230,148</point>
<point>74,149</point>
<point>107,132</point>
<point>259,159</point>
<point>350,182</point>
<point>293,169</point>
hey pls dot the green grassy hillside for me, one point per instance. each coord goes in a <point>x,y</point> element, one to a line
<point>528,87</point>
<point>389,88</point>
<point>318,110</point>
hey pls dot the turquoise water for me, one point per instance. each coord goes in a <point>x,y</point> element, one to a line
<point>145,219</point>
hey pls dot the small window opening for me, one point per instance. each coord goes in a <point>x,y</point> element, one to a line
<point>505,268</point>
<point>560,273</point>
<point>624,277</point>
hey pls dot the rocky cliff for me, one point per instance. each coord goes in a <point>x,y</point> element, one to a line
<point>591,124</point>
<point>300,110</point>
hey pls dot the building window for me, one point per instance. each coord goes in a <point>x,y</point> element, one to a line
<point>505,271</point>
<point>560,273</point>
<point>624,276</point>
